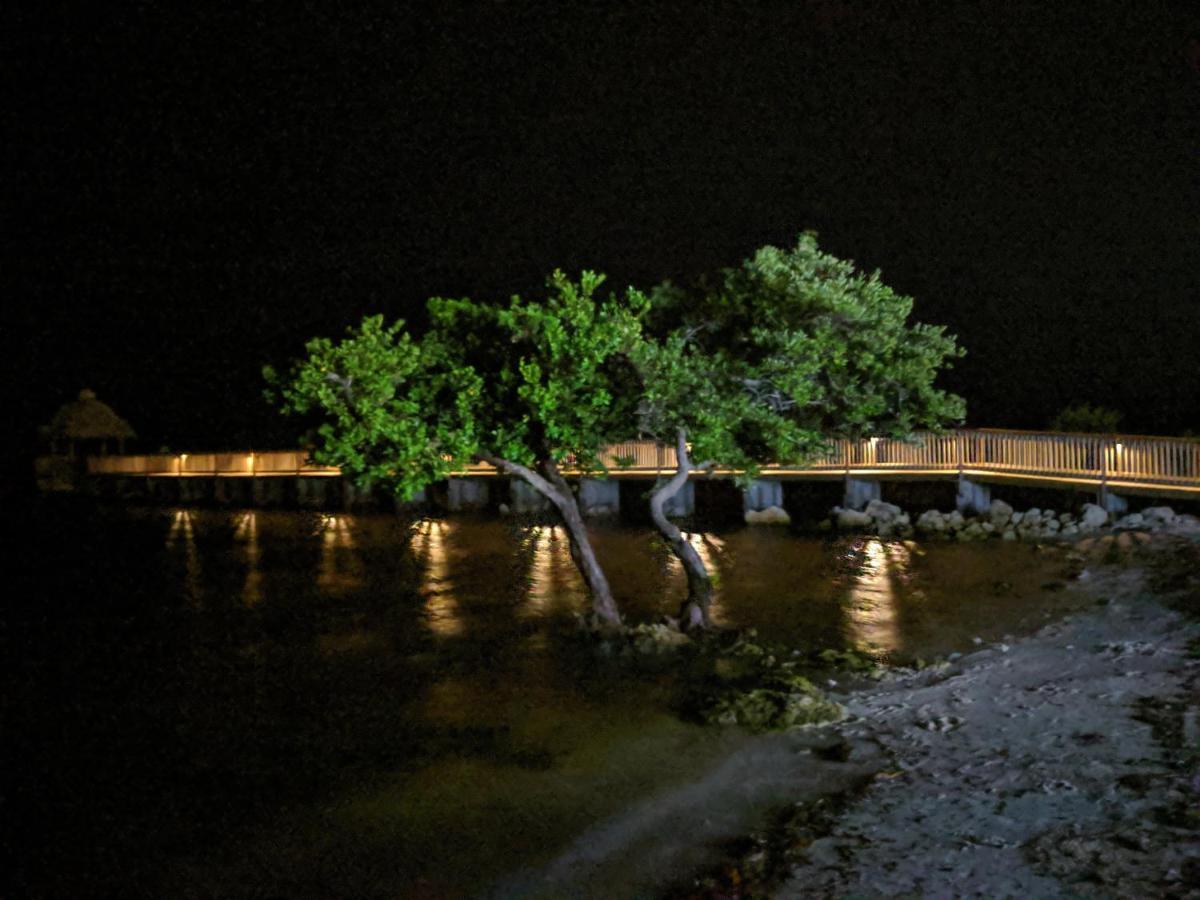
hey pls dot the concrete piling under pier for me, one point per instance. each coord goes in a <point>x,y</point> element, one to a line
<point>973,498</point>
<point>467,494</point>
<point>861,491</point>
<point>599,497</point>
<point>683,503</point>
<point>762,493</point>
<point>406,506</point>
<point>1112,503</point>
<point>267,491</point>
<point>522,498</point>
<point>312,493</point>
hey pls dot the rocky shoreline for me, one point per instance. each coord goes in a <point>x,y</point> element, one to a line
<point>1001,521</point>
<point>1064,765</point>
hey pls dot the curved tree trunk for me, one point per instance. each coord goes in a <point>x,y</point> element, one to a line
<point>554,488</point>
<point>694,613</point>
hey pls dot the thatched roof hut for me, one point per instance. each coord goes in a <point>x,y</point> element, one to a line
<point>88,419</point>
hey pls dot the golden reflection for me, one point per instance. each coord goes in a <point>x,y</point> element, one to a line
<point>432,551</point>
<point>552,572</point>
<point>871,607</point>
<point>247,532</point>
<point>340,567</point>
<point>183,533</point>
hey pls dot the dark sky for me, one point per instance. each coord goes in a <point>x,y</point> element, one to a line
<point>191,194</point>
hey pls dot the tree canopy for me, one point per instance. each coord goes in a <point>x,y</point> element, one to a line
<point>790,349</point>
<point>526,382</point>
<point>525,386</point>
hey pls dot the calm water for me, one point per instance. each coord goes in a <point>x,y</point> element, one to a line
<point>254,703</point>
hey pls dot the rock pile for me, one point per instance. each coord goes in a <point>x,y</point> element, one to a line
<point>999,521</point>
<point>885,519</point>
<point>772,515</point>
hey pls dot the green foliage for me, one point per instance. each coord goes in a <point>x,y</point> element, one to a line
<point>390,409</point>
<point>792,348</point>
<point>526,382</point>
<point>1087,418</point>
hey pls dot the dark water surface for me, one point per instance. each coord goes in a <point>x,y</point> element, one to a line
<point>263,703</point>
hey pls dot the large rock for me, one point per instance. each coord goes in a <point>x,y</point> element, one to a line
<point>1092,517</point>
<point>999,513</point>
<point>772,515</point>
<point>852,520</point>
<point>1133,520</point>
<point>955,520</point>
<point>884,512</point>
<point>1159,515</point>
<point>931,520</point>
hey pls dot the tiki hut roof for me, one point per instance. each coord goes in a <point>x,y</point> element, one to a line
<point>87,418</point>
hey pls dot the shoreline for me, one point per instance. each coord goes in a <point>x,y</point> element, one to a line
<point>1057,766</point>
<point>1032,770</point>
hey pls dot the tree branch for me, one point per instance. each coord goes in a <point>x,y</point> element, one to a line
<point>532,478</point>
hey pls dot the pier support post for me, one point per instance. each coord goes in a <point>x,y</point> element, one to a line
<point>860,492</point>
<point>413,503</point>
<point>464,494</point>
<point>762,493</point>
<point>1112,503</point>
<point>683,503</point>
<point>973,498</point>
<point>311,493</point>
<point>599,497</point>
<point>262,491</point>
<point>524,499</point>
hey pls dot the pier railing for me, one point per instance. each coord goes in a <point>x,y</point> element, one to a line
<point>1116,461</point>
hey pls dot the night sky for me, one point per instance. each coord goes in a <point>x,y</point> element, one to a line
<point>191,194</point>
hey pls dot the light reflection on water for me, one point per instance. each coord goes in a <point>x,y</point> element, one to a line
<point>246,532</point>
<point>552,572</point>
<point>340,568</point>
<point>871,607</point>
<point>442,613</point>
<point>182,535</point>
<point>475,575</point>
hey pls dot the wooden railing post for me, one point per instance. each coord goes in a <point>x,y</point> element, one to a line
<point>1103,498</point>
